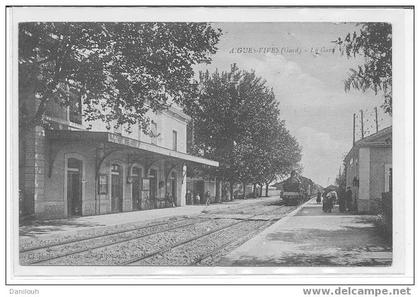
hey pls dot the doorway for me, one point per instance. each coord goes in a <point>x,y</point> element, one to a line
<point>173,187</point>
<point>116,188</point>
<point>199,189</point>
<point>153,188</point>
<point>136,175</point>
<point>74,187</point>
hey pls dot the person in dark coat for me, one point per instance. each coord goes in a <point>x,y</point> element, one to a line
<point>188,197</point>
<point>348,196</point>
<point>324,201</point>
<point>207,196</point>
<point>327,202</point>
<point>318,197</point>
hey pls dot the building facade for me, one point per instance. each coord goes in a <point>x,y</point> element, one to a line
<point>368,168</point>
<point>200,190</point>
<point>75,168</point>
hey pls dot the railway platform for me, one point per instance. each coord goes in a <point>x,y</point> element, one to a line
<point>40,228</point>
<point>310,237</point>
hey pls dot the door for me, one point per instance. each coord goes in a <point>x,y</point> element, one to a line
<point>74,187</point>
<point>116,188</point>
<point>136,188</point>
<point>173,187</point>
<point>153,188</point>
<point>199,188</point>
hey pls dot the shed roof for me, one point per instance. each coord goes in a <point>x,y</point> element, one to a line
<point>125,142</point>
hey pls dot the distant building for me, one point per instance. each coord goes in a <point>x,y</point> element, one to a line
<point>368,169</point>
<point>68,170</point>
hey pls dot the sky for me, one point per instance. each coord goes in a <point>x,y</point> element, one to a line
<point>309,85</point>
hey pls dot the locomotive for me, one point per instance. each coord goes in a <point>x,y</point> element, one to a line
<point>297,190</point>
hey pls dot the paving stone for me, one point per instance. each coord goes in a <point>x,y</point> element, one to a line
<point>315,238</point>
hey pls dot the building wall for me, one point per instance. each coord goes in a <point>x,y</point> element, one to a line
<point>375,168</point>
<point>371,175</point>
<point>208,185</point>
<point>352,171</point>
<point>33,167</point>
<point>379,157</point>
<point>364,179</point>
<point>166,123</point>
<point>44,193</point>
<point>52,202</point>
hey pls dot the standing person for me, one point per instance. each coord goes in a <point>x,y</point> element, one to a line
<point>173,203</point>
<point>207,197</point>
<point>327,202</point>
<point>170,200</point>
<point>318,197</point>
<point>188,197</point>
<point>334,197</point>
<point>197,198</point>
<point>324,201</point>
<point>348,196</point>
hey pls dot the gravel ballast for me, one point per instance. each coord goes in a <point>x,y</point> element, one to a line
<point>195,240</point>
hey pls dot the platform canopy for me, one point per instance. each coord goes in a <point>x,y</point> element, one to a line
<point>123,142</point>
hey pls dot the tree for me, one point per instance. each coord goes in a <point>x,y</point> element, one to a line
<point>374,43</point>
<point>271,152</point>
<point>236,122</point>
<point>120,70</point>
<point>278,153</point>
<point>284,156</point>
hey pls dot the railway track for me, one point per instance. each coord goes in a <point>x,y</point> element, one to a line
<point>51,254</point>
<point>143,260</point>
<point>120,230</point>
<point>83,238</point>
<point>216,252</point>
<point>120,237</point>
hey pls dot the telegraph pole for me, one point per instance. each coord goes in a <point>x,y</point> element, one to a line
<point>361,122</point>
<point>354,128</point>
<point>376,119</point>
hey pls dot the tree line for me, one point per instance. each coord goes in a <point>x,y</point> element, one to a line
<point>236,120</point>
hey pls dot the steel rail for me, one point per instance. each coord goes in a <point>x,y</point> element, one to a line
<point>93,237</point>
<point>112,243</point>
<point>165,250</point>
<point>108,234</point>
<point>197,219</point>
<point>223,246</point>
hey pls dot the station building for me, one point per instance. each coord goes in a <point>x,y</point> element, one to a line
<point>368,168</point>
<point>79,168</point>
